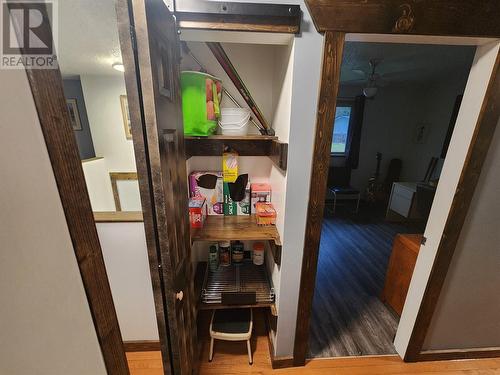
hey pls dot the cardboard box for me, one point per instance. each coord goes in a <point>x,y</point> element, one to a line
<point>260,192</point>
<point>208,185</point>
<point>236,208</point>
<point>265,213</point>
<point>197,212</point>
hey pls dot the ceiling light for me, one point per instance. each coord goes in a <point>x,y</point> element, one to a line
<point>119,67</point>
<point>370,92</point>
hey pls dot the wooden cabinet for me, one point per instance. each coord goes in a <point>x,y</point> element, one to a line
<point>401,264</point>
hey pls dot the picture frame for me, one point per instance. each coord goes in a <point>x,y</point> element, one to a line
<point>74,114</point>
<point>126,118</point>
<point>115,178</point>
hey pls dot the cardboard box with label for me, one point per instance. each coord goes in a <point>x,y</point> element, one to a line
<point>260,192</point>
<point>197,212</point>
<point>232,207</point>
<point>208,185</point>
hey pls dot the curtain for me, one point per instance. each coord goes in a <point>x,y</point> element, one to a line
<point>354,137</point>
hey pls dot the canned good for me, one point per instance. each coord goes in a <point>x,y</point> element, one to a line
<point>213,256</point>
<point>224,253</point>
<point>237,252</point>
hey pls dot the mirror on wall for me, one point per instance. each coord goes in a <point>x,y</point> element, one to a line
<point>94,86</point>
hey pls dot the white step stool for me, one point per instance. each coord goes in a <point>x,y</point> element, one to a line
<point>231,325</point>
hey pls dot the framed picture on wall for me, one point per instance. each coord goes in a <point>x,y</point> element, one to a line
<point>126,117</point>
<point>421,133</point>
<point>74,115</point>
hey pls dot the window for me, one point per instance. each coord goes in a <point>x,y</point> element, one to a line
<point>341,129</point>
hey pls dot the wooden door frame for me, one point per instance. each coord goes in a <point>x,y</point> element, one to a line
<point>139,24</point>
<point>126,32</point>
<point>48,95</point>
<point>406,17</point>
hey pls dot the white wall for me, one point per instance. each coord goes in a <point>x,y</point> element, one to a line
<point>45,325</point>
<point>259,78</point>
<point>388,123</point>
<point>468,310</point>
<point>102,99</point>
<point>482,66</point>
<point>389,126</point>
<point>126,257</point>
<point>99,185</point>
<point>282,89</point>
<point>307,56</point>
<point>438,100</point>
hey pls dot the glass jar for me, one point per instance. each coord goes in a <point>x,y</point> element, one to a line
<point>224,253</point>
<point>258,253</point>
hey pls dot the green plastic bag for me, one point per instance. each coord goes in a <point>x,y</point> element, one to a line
<point>201,96</point>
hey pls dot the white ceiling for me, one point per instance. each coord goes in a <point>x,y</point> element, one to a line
<point>405,63</point>
<point>88,37</point>
<point>88,44</point>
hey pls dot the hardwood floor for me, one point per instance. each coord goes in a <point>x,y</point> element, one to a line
<point>231,358</point>
<point>149,363</point>
<point>348,318</point>
<point>227,354</point>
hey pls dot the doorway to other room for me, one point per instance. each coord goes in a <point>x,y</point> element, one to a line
<point>396,110</point>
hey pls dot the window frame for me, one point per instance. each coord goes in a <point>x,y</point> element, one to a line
<point>343,102</point>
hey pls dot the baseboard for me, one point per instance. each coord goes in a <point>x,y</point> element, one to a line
<point>281,362</point>
<point>276,362</point>
<point>142,346</point>
<point>474,353</point>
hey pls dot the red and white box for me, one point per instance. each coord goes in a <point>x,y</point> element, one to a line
<point>259,193</point>
<point>197,211</point>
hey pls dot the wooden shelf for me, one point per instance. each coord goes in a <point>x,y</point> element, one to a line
<point>249,145</point>
<point>243,228</point>
<point>117,216</point>
<point>227,228</point>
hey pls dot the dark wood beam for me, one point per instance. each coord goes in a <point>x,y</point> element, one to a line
<point>454,354</point>
<point>50,102</point>
<point>257,145</point>
<point>420,17</point>
<point>238,16</point>
<point>330,77</point>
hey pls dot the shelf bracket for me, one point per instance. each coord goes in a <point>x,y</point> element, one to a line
<point>279,154</point>
<point>276,251</point>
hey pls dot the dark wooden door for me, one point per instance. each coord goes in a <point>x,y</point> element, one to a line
<point>151,54</point>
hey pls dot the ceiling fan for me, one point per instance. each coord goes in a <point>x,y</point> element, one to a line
<point>370,89</point>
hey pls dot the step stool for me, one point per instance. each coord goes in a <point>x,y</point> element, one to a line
<point>231,325</point>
